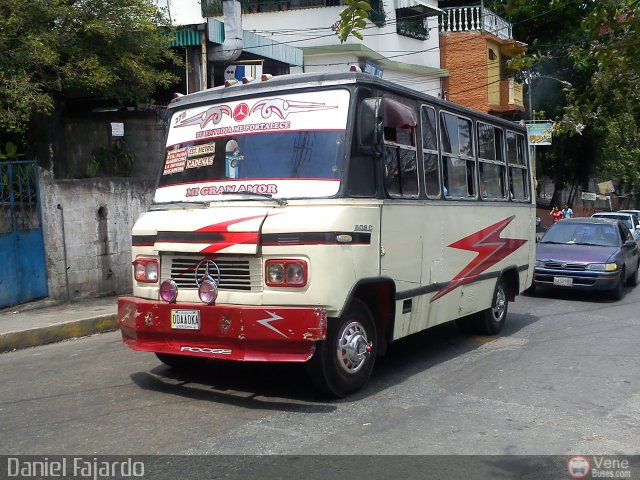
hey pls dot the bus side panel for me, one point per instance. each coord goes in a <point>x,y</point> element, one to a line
<point>459,244</point>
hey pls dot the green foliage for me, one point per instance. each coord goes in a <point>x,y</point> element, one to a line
<point>10,152</point>
<point>620,150</point>
<point>595,45</point>
<point>118,160</point>
<point>352,19</point>
<point>55,49</point>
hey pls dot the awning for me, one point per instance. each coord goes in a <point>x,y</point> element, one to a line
<point>424,5</point>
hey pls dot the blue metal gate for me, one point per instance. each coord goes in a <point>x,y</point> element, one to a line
<point>23,274</point>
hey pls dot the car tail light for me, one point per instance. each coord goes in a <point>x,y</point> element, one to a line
<point>145,270</point>
<point>286,273</point>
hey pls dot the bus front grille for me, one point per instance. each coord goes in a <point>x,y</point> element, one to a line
<point>236,273</point>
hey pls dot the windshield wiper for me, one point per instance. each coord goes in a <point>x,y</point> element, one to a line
<point>177,203</point>
<point>261,196</point>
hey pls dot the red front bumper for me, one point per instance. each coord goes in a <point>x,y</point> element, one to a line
<point>230,332</point>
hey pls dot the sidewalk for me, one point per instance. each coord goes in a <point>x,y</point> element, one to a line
<point>42,322</point>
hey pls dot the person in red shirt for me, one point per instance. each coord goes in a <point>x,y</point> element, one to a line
<point>556,214</point>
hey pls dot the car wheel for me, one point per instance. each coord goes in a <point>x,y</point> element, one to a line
<point>493,319</point>
<point>632,281</point>
<point>343,362</point>
<point>616,293</point>
<point>180,362</point>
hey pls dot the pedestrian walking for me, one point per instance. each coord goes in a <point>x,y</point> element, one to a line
<point>555,214</point>
<point>567,212</point>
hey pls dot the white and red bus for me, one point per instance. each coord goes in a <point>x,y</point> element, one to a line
<point>318,218</point>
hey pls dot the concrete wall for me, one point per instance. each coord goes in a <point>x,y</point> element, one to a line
<point>98,215</point>
<point>78,136</point>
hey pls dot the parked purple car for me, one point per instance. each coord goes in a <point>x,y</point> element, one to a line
<point>587,254</point>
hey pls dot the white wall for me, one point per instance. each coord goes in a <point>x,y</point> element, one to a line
<point>312,27</point>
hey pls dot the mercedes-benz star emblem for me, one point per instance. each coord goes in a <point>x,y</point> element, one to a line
<point>207,270</point>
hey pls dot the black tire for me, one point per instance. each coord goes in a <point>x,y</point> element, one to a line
<point>491,320</point>
<point>338,371</point>
<point>632,281</point>
<point>617,291</point>
<point>180,362</point>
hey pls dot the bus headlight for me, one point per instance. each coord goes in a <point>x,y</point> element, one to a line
<point>208,292</point>
<point>286,273</point>
<point>169,291</point>
<point>145,270</point>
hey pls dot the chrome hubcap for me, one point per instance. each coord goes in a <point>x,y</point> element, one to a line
<point>353,347</point>
<point>500,305</point>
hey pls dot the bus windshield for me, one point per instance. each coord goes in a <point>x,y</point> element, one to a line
<point>287,147</point>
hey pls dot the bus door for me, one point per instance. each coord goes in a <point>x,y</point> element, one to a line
<point>402,222</point>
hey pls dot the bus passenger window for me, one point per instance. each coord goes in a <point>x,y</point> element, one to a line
<point>430,151</point>
<point>518,173</point>
<point>491,164</point>
<point>400,155</point>
<point>458,159</point>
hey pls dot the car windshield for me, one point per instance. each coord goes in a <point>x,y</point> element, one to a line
<point>582,234</point>
<point>288,146</point>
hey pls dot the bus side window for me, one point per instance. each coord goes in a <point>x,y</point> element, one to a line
<point>491,164</point>
<point>430,151</point>
<point>518,174</point>
<point>458,161</point>
<point>400,159</point>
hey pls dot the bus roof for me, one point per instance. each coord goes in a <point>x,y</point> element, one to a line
<point>309,80</point>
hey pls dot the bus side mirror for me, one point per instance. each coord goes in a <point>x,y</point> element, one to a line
<point>369,125</point>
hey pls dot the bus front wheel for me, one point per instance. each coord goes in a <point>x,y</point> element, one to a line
<point>492,319</point>
<point>342,364</point>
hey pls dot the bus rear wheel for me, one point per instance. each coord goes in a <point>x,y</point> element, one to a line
<point>491,320</point>
<point>342,364</point>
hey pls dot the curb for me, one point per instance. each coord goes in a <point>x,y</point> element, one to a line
<point>56,333</point>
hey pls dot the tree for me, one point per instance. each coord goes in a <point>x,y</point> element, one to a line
<point>611,100</point>
<point>54,50</point>
<point>595,45</point>
<point>352,19</point>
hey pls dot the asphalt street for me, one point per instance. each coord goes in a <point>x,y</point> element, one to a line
<point>562,379</point>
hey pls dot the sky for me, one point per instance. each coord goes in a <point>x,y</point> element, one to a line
<point>182,12</point>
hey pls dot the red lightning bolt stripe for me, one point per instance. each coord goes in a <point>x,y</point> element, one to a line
<point>491,248</point>
<point>229,238</point>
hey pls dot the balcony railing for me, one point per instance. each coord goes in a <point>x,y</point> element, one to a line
<point>475,19</point>
<point>213,8</point>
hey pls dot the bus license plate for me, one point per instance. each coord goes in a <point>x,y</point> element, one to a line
<point>185,319</point>
<point>563,281</point>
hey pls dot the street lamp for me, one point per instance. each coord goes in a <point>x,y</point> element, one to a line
<point>531,78</point>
